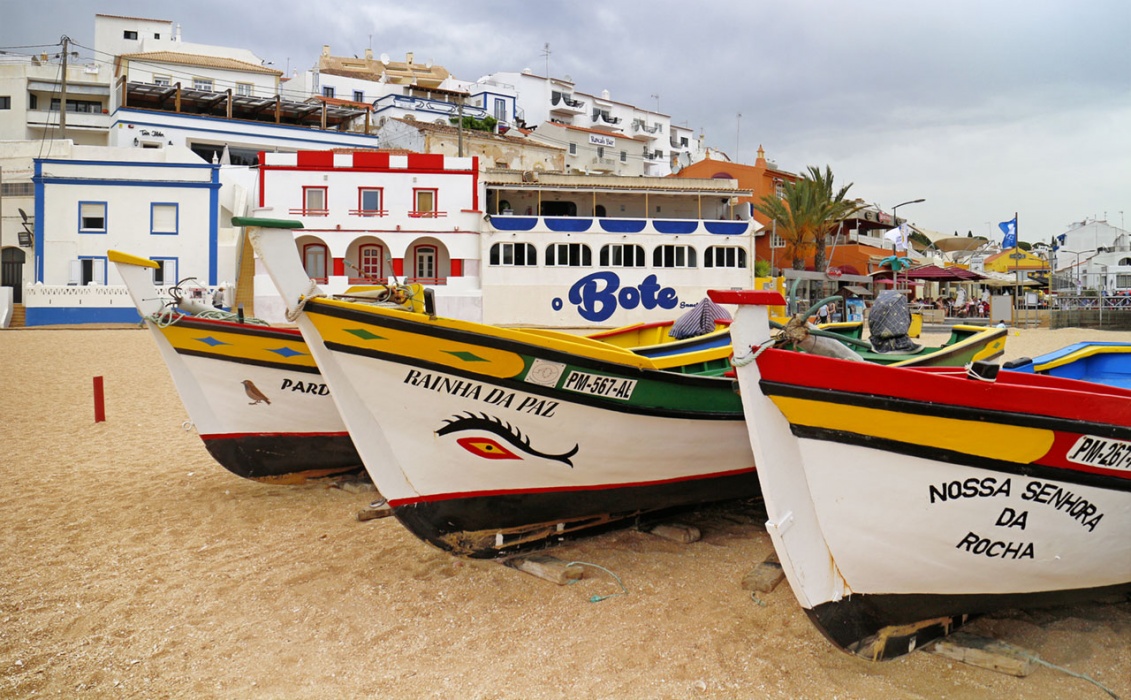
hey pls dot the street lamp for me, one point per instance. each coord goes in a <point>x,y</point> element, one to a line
<point>1077,253</point>
<point>894,218</point>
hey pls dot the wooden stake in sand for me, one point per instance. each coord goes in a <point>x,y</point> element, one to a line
<point>99,401</point>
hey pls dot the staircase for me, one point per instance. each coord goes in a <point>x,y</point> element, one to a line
<point>19,316</point>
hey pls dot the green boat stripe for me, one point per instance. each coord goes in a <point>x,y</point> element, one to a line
<point>723,386</point>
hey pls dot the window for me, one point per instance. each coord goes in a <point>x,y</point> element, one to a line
<point>314,261</point>
<point>779,189</point>
<point>622,255</point>
<point>500,109</point>
<point>514,254</point>
<point>244,89</point>
<point>369,201</point>
<point>88,270</point>
<point>725,256</point>
<point>92,217</point>
<point>204,84</point>
<point>568,255</point>
<point>127,34</point>
<point>162,80</point>
<point>600,151</point>
<point>372,262</point>
<point>156,35</point>
<point>17,189</point>
<point>82,106</point>
<point>358,96</point>
<point>163,218</point>
<point>425,202</point>
<point>314,201</point>
<point>166,272</point>
<point>573,149</point>
<point>673,256</point>
<point>327,91</point>
<point>776,241</point>
<point>624,156</point>
<point>5,102</point>
<point>425,262</point>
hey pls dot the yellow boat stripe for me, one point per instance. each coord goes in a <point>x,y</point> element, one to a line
<point>240,346</point>
<point>989,440</point>
<point>479,359</point>
<point>1080,355</point>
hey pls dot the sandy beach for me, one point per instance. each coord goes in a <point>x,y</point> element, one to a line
<point>132,565</point>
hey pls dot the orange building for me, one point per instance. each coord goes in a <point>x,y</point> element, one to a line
<point>762,178</point>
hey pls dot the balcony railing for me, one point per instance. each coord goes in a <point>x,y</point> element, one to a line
<point>308,212</point>
<point>369,212</point>
<point>427,214</point>
<point>565,103</point>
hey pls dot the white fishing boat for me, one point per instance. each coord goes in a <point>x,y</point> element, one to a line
<point>252,391</point>
<point>488,440</point>
<point>903,501</point>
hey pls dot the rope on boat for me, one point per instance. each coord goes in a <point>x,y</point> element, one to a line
<point>599,598</point>
<point>292,316</point>
<point>751,356</point>
<point>1082,676</point>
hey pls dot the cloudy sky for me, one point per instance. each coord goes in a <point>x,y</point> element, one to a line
<point>982,107</point>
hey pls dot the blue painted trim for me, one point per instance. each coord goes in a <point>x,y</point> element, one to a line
<point>76,315</point>
<point>176,218</point>
<point>675,226</point>
<point>176,270</point>
<point>39,214</point>
<point>726,228</point>
<point>567,224</point>
<point>214,226</point>
<point>155,184</point>
<point>622,225</point>
<point>105,218</point>
<point>105,267</point>
<point>513,223</point>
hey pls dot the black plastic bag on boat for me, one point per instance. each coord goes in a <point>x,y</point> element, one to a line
<point>888,323</point>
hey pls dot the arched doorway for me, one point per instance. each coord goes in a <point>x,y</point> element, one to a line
<point>12,272</point>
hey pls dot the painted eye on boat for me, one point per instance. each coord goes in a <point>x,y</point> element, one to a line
<point>486,448</point>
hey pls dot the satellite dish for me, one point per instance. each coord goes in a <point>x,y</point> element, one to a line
<point>23,214</point>
<point>568,78</point>
<point>385,59</point>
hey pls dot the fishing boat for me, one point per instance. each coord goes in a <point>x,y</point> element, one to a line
<point>966,344</point>
<point>904,501</point>
<point>1093,361</point>
<point>252,391</point>
<point>488,440</point>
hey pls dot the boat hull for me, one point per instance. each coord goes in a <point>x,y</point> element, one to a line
<point>297,436</point>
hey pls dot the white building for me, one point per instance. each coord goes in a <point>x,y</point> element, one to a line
<point>1095,255</point>
<point>663,148</point>
<point>165,205</point>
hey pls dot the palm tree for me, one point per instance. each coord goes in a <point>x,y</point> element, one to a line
<point>807,212</point>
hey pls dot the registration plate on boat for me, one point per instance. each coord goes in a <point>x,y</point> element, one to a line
<point>598,385</point>
<point>1101,452</point>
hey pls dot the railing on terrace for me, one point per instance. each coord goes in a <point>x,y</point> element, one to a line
<point>308,212</point>
<point>427,214</point>
<point>1089,311</point>
<point>369,212</point>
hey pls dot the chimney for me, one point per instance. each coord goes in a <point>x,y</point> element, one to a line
<point>369,54</point>
<point>325,50</point>
<point>408,58</point>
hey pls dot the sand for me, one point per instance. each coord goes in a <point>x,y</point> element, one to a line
<point>132,565</point>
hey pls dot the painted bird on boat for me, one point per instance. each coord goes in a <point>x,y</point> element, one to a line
<point>254,393</point>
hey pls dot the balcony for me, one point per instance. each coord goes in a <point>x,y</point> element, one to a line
<point>560,102</point>
<point>640,128</point>
<point>607,165</point>
<point>607,120</point>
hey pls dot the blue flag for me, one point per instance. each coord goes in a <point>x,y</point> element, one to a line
<point>1009,228</point>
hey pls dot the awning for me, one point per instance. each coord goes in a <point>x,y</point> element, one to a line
<point>858,291</point>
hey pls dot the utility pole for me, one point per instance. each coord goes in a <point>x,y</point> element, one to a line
<point>460,111</point>
<point>63,90</point>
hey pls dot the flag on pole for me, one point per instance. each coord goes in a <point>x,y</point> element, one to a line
<point>1009,228</point>
<point>897,236</point>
